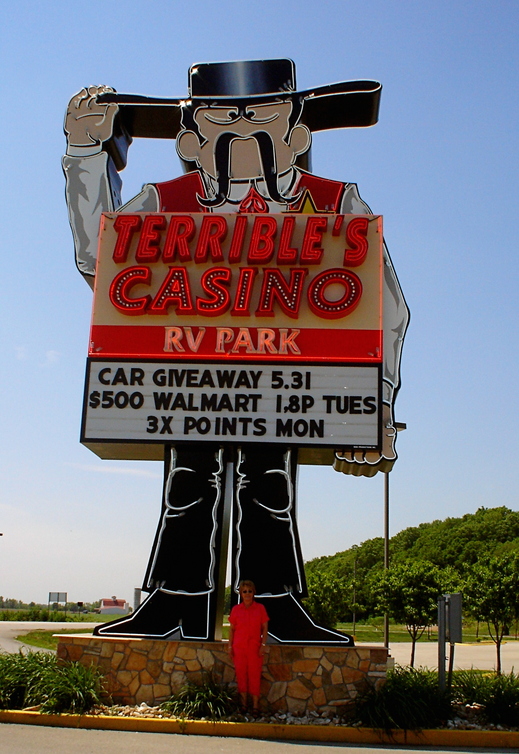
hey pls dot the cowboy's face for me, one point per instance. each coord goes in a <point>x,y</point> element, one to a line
<point>244,131</point>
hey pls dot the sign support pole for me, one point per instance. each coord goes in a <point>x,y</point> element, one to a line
<point>442,636</point>
<point>222,565</point>
<point>386,549</point>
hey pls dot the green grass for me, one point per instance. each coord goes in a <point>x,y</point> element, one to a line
<point>374,632</point>
<point>44,639</point>
<point>368,633</point>
<point>43,615</point>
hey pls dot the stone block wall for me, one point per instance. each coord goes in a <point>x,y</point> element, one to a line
<point>295,679</point>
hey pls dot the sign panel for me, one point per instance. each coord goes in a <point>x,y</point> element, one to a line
<point>143,402</point>
<point>57,596</point>
<point>283,287</point>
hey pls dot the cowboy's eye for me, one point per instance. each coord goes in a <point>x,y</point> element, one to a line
<point>222,115</point>
<point>261,114</point>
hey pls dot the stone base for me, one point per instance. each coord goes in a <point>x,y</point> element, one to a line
<point>295,679</point>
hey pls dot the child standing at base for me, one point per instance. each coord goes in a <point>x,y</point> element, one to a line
<point>247,640</point>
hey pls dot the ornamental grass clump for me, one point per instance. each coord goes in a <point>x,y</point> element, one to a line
<point>20,678</point>
<point>39,679</point>
<point>497,694</point>
<point>208,699</point>
<point>72,687</point>
<point>410,699</point>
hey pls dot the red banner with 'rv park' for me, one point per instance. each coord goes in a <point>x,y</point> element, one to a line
<point>236,343</point>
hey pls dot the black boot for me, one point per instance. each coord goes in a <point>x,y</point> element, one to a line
<point>267,548</point>
<point>163,615</point>
<point>289,623</point>
<point>182,571</point>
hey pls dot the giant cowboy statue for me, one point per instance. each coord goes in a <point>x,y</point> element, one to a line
<point>243,135</point>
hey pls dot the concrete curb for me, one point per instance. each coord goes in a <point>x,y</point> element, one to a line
<point>317,733</point>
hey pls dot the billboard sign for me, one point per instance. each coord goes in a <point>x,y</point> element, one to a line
<point>181,299</point>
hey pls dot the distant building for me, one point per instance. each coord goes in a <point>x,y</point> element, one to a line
<point>113,606</point>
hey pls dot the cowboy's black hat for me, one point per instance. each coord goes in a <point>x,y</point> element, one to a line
<point>348,104</point>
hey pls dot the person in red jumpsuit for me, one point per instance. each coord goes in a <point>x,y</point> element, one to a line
<point>247,640</point>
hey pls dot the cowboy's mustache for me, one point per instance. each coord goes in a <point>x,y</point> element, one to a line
<point>267,153</point>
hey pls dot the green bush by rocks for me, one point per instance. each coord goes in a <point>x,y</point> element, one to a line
<point>409,699</point>
<point>498,695</point>
<point>209,699</point>
<point>39,679</point>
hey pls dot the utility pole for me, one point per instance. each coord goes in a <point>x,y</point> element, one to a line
<point>399,426</point>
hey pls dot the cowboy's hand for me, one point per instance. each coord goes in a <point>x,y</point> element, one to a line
<point>87,122</point>
<point>368,462</point>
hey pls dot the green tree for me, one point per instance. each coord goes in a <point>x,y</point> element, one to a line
<point>326,597</point>
<point>458,542</point>
<point>359,560</point>
<point>491,594</point>
<point>409,593</point>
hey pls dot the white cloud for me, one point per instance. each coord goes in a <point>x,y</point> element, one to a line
<point>126,471</point>
<point>51,357</point>
<point>21,353</point>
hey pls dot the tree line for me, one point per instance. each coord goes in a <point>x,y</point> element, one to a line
<point>9,603</point>
<point>476,554</point>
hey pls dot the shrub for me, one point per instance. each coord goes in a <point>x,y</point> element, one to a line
<point>72,688</point>
<point>20,676</point>
<point>39,678</point>
<point>409,699</point>
<point>207,699</point>
<point>499,694</point>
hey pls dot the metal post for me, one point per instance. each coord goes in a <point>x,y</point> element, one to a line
<point>442,635</point>
<point>355,548</point>
<point>222,565</point>
<point>399,426</point>
<point>386,548</point>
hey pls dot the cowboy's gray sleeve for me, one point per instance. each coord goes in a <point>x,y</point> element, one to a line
<point>396,313</point>
<point>93,186</point>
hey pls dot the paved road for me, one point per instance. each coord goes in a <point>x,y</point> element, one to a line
<point>9,629</point>
<point>29,739</point>
<point>482,656</point>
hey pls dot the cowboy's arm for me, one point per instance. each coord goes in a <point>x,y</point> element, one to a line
<point>93,184</point>
<point>396,313</point>
<point>92,187</point>
<point>396,319</point>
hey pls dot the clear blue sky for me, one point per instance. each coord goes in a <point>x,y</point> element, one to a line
<point>441,166</point>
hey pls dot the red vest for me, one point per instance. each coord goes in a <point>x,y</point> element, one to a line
<point>180,194</point>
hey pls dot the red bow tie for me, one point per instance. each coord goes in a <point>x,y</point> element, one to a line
<point>253,202</point>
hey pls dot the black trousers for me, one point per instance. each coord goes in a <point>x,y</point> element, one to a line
<point>265,541</point>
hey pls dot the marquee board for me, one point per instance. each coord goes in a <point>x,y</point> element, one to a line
<point>235,328</point>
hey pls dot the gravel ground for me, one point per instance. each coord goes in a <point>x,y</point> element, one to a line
<point>467,717</point>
